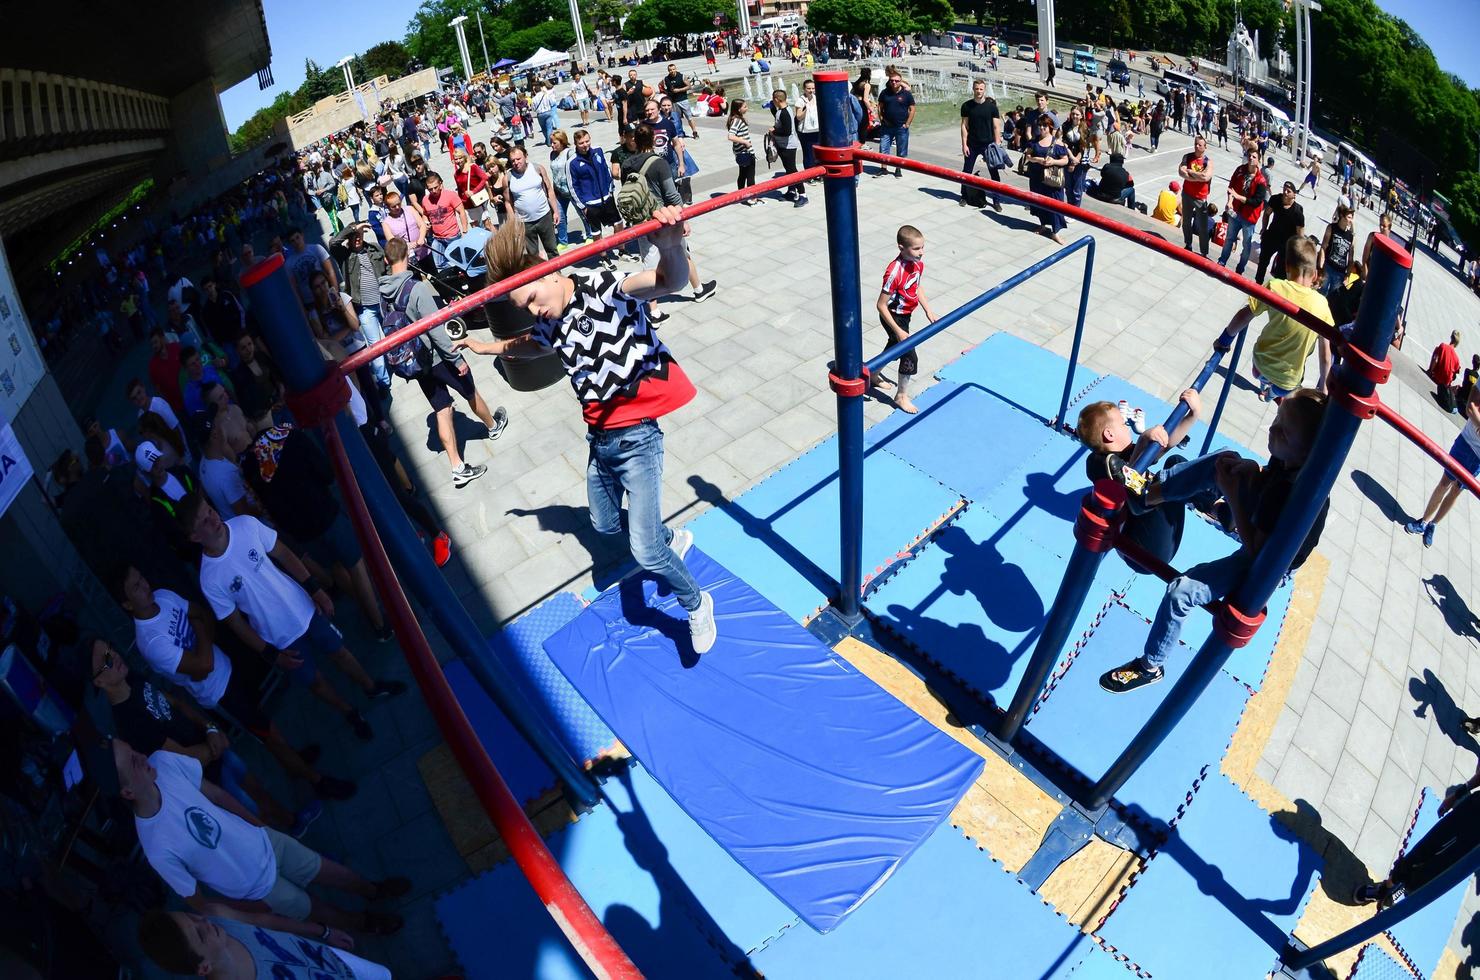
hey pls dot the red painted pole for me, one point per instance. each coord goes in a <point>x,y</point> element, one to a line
<point>584,931</point>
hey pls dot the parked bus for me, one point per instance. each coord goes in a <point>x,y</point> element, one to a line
<point>1172,78</point>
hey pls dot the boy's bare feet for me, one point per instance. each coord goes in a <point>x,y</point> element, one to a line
<point>904,404</point>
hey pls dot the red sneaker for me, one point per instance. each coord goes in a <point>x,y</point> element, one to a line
<point>442,549</point>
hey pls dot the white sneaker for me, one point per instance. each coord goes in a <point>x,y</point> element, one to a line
<point>683,540</point>
<point>702,632</point>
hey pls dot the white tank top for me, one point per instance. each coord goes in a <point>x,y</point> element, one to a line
<point>531,202</point>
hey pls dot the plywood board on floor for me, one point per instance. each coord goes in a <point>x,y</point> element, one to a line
<point>1003,811</point>
<point>1085,887</point>
<point>467,824</point>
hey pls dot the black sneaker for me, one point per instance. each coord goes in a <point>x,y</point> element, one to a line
<point>467,473</point>
<point>659,316</point>
<point>329,788</point>
<point>386,689</point>
<point>1136,483</point>
<point>1471,725</point>
<point>361,727</point>
<point>500,423</point>
<point>1366,894</point>
<point>706,290</point>
<point>1128,677</point>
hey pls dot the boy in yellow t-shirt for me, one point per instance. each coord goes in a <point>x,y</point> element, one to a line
<point>1284,345</point>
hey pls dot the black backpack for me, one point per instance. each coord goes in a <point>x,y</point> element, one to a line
<point>412,359</point>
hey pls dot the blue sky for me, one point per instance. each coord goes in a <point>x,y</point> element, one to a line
<point>1448,27</point>
<point>327,30</point>
<point>324,30</point>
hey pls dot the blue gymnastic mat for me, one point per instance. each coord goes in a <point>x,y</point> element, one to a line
<point>520,646</point>
<point>525,772</point>
<point>1202,542</point>
<point>678,905</point>
<point>810,775</point>
<point>1020,372</point>
<point>1100,965</point>
<point>1042,497</point>
<point>1220,896</point>
<point>951,912</point>
<point>1424,934</point>
<point>781,536</point>
<point>1087,727</point>
<point>969,439</point>
<point>975,600</point>
<point>1375,963</point>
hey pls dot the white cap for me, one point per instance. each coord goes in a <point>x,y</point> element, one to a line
<point>145,455</point>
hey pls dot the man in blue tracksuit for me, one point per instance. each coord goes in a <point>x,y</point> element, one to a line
<point>592,186</point>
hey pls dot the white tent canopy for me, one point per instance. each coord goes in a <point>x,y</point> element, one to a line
<point>542,58</point>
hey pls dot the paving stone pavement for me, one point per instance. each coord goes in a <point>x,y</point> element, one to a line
<point>1373,713</point>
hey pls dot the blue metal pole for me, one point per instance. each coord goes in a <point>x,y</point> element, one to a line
<point>1179,411</point>
<point>1238,348</point>
<point>1455,874</point>
<point>1373,333</point>
<point>841,197</point>
<point>281,318</point>
<point>1089,271</point>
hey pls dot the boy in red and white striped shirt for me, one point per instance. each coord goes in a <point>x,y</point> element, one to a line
<point>898,297</point>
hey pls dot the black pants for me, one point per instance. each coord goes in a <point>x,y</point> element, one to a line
<point>1271,257</point>
<point>809,147</point>
<point>1451,838</point>
<point>975,152</point>
<point>745,176</point>
<point>789,164</point>
<point>909,364</point>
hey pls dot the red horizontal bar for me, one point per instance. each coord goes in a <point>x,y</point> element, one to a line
<point>1140,237</point>
<point>490,293</point>
<point>1416,436</point>
<point>566,906</point>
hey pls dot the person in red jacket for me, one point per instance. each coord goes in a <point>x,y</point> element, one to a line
<point>1248,189</point>
<point>164,370</point>
<point>1443,366</point>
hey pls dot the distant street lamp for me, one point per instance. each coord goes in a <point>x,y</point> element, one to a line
<point>462,44</point>
<point>349,77</point>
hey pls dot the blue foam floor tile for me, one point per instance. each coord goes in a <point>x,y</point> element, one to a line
<point>676,903</point>
<point>520,647</point>
<point>814,778</point>
<point>1423,935</point>
<point>1113,389</point>
<point>1375,963</point>
<point>951,912</point>
<point>1018,371</point>
<point>781,536</point>
<point>1087,728</point>
<point>525,772</point>
<point>933,441</point>
<point>1041,498</point>
<point>1101,965</point>
<point>1226,888</point>
<point>1202,542</point>
<point>974,601</point>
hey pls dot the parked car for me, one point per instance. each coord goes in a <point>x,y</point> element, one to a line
<point>1025,52</point>
<point>1118,71</point>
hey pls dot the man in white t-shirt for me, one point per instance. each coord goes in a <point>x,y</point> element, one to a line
<point>261,589</point>
<point>219,946</point>
<point>140,398</point>
<point>195,833</point>
<point>176,637</point>
<point>220,473</point>
<point>303,259</point>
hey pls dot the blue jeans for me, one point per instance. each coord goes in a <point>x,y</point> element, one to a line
<point>1245,230</point>
<point>371,328</point>
<point>630,460</point>
<point>1198,586</point>
<point>560,218</point>
<point>895,140</point>
<point>547,124</point>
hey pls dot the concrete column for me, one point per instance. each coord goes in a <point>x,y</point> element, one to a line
<point>1048,40</point>
<point>197,140</point>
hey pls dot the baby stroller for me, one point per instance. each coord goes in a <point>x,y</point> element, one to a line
<point>466,273</point>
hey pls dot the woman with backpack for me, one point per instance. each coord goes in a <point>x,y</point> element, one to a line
<point>637,201</point>
<point>787,140</point>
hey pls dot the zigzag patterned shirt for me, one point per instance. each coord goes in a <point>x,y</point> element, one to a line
<point>620,370</point>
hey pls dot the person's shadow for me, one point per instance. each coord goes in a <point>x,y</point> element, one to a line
<point>686,935</point>
<point>1378,494</point>
<point>611,557</point>
<point>1430,693</point>
<point>1343,870</point>
<point>1458,616</point>
<point>639,614</point>
<point>464,430</point>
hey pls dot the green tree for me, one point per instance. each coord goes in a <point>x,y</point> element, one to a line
<point>557,35</point>
<point>386,58</point>
<point>928,15</point>
<point>862,17</point>
<point>605,16</point>
<point>663,18</point>
<point>1464,207</point>
<point>429,38</point>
